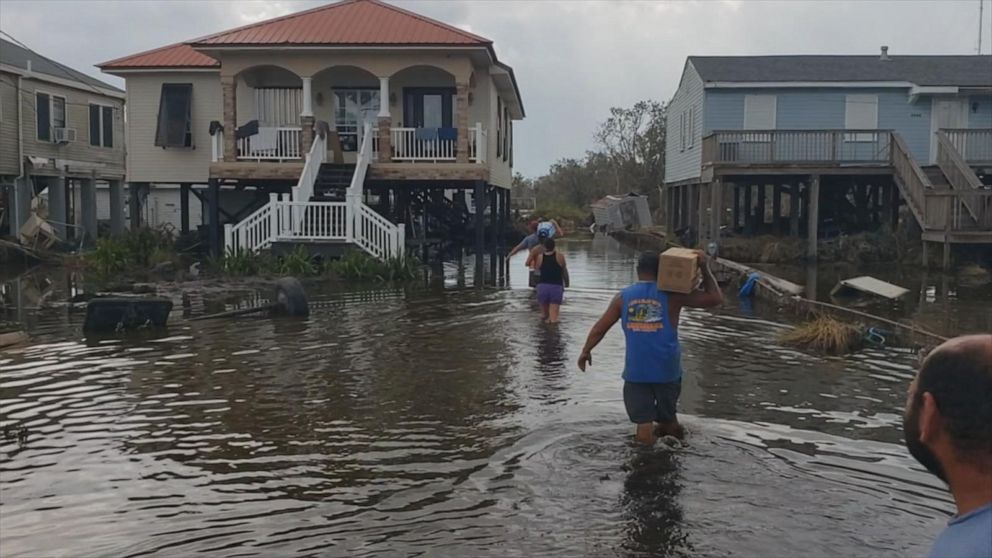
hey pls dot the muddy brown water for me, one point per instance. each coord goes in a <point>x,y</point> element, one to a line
<point>450,422</point>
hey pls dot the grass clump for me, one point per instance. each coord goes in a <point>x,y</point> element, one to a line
<point>358,266</point>
<point>824,335</point>
<point>134,251</point>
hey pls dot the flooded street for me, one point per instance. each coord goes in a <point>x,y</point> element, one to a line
<point>451,422</point>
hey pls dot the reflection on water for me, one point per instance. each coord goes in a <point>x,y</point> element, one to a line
<point>449,422</point>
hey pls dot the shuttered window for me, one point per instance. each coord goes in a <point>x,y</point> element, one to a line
<point>759,112</point>
<point>42,108</point>
<point>175,116</point>
<point>101,126</point>
<point>860,113</point>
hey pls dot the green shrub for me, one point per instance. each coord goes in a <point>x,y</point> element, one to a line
<point>139,250</point>
<point>560,211</point>
<point>297,263</point>
<point>109,257</point>
<point>240,263</point>
<point>358,266</point>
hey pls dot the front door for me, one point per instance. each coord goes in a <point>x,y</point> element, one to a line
<point>428,107</point>
<point>947,113</point>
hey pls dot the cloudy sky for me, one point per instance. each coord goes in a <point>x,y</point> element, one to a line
<point>574,59</point>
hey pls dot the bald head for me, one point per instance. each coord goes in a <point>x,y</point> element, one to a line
<point>958,374</point>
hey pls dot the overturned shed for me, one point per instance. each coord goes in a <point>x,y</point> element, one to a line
<point>621,212</point>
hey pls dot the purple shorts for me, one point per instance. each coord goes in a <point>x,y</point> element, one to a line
<point>549,294</point>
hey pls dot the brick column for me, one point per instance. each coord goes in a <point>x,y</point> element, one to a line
<point>461,121</point>
<point>306,135</point>
<point>385,139</point>
<point>229,89</point>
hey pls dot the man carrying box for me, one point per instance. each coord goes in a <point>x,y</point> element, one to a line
<point>650,317</point>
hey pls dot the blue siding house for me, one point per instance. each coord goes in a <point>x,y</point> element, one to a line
<point>785,134</point>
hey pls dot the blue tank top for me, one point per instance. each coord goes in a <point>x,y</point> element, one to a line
<point>653,351</point>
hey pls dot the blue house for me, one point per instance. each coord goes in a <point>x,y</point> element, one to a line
<point>830,144</point>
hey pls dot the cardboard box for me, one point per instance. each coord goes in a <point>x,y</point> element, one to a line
<point>678,270</point>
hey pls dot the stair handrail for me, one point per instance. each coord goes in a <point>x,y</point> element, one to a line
<point>957,171</point>
<point>377,235</point>
<point>363,160</point>
<point>254,232</point>
<point>303,190</point>
<point>911,176</point>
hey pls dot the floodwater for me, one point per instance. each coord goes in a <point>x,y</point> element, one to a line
<point>449,421</point>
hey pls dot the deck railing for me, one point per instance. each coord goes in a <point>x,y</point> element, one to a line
<point>958,173</point>
<point>915,184</point>
<point>951,211</point>
<point>417,144</point>
<point>797,147</point>
<point>975,146</point>
<point>271,144</point>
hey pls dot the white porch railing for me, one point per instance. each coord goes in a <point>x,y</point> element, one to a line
<point>271,144</point>
<point>376,235</point>
<point>418,144</point>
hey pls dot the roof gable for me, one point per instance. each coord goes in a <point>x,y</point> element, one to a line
<point>17,56</point>
<point>350,22</point>
<point>171,56</point>
<point>962,71</point>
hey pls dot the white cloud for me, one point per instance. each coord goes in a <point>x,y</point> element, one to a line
<point>574,59</point>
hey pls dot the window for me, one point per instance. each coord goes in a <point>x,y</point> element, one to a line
<point>682,142</point>
<point>692,126</point>
<point>860,113</point>
<point>506,133</point>
<point>509,131</point>
<point>175,116</point>
<point>351,108</point>
<point>759,112</point>
<point>50,112</point>
<point>101,125</point>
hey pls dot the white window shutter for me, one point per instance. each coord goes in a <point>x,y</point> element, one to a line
<point>861,112</point>
<point>759,112</point>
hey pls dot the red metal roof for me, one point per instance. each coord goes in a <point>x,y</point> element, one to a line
<point>172,56</point>
<point>351,22</point>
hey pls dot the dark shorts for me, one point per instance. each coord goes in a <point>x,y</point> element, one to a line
<point>549,294</point>
<point>651,402</point>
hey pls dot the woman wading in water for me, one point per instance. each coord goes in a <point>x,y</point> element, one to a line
<point>554,278</point>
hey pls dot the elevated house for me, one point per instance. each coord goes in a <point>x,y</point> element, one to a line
<point>353,124</point>
<point>61,137</point>
<point>818,145</point>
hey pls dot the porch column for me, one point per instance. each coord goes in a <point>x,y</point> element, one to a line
<point>814,217</point>
<point>736,218</point>
<point>23,192</point>
<point>716,214</point>
<point>760,210</point>
<point>748,211</point>
<point>213,211</point>
<point>136,197</point>
<point>777,209</point>
<point>385,122</point>
<point>87,206</point>
<point>461,119</point>
<point>794,209</point>
<point>229,89</point>
<point>116,207</point>
<point>479,199</point>
<point>306,118</point>
<point>57,188</point>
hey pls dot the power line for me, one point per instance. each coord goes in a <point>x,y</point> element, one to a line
<point>65,69</point>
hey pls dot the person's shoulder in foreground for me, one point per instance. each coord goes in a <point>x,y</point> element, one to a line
<point>966,536</point>
<point>948,429</point>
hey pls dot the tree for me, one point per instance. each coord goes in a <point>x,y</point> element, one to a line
<point>634,141</point>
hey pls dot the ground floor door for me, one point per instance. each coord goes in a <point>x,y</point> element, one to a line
<point>946,114</point>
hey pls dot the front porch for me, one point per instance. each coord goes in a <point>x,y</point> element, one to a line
<point>271,115</point>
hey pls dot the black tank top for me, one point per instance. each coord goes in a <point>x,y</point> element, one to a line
<point>551,269</point>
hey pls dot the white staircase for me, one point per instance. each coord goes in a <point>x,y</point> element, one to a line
<point>296,218</point>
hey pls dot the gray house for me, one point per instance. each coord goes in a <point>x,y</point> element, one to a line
<point>776,144</point>
<point>61,134</point>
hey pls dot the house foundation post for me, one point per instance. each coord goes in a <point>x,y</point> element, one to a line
<point>184,208</point>
<point>23,192</point>
<point>777,209</point>
<point>479,199</point>
<point>213,212</point>
<point>794,209</point>
<point>87,209</point>
<point>760,209</point>
<point>813,218</point>
<point>116,207</point>
<point>748,211</point>
<point>57,209</point>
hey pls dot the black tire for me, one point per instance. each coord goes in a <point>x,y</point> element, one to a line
<point>291,300</point>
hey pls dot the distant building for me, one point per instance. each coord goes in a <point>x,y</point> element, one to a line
<point>760,144</point>
<point>61,133</point>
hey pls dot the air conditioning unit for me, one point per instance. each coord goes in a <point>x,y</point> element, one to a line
<point>65,135</point>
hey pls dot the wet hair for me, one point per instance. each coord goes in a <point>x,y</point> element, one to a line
<point>960,380</point>
<point>549,244</point>
<point>647,264</point>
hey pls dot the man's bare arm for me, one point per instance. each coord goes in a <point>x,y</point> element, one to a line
<point>710,296</point>
<point>598,331</point>
<point>518,248</point>
<point>564,270</point>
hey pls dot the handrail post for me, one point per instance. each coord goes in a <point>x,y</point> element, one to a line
<point>228,238</point>
<point>273,216</point>
<point>400,241</point>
